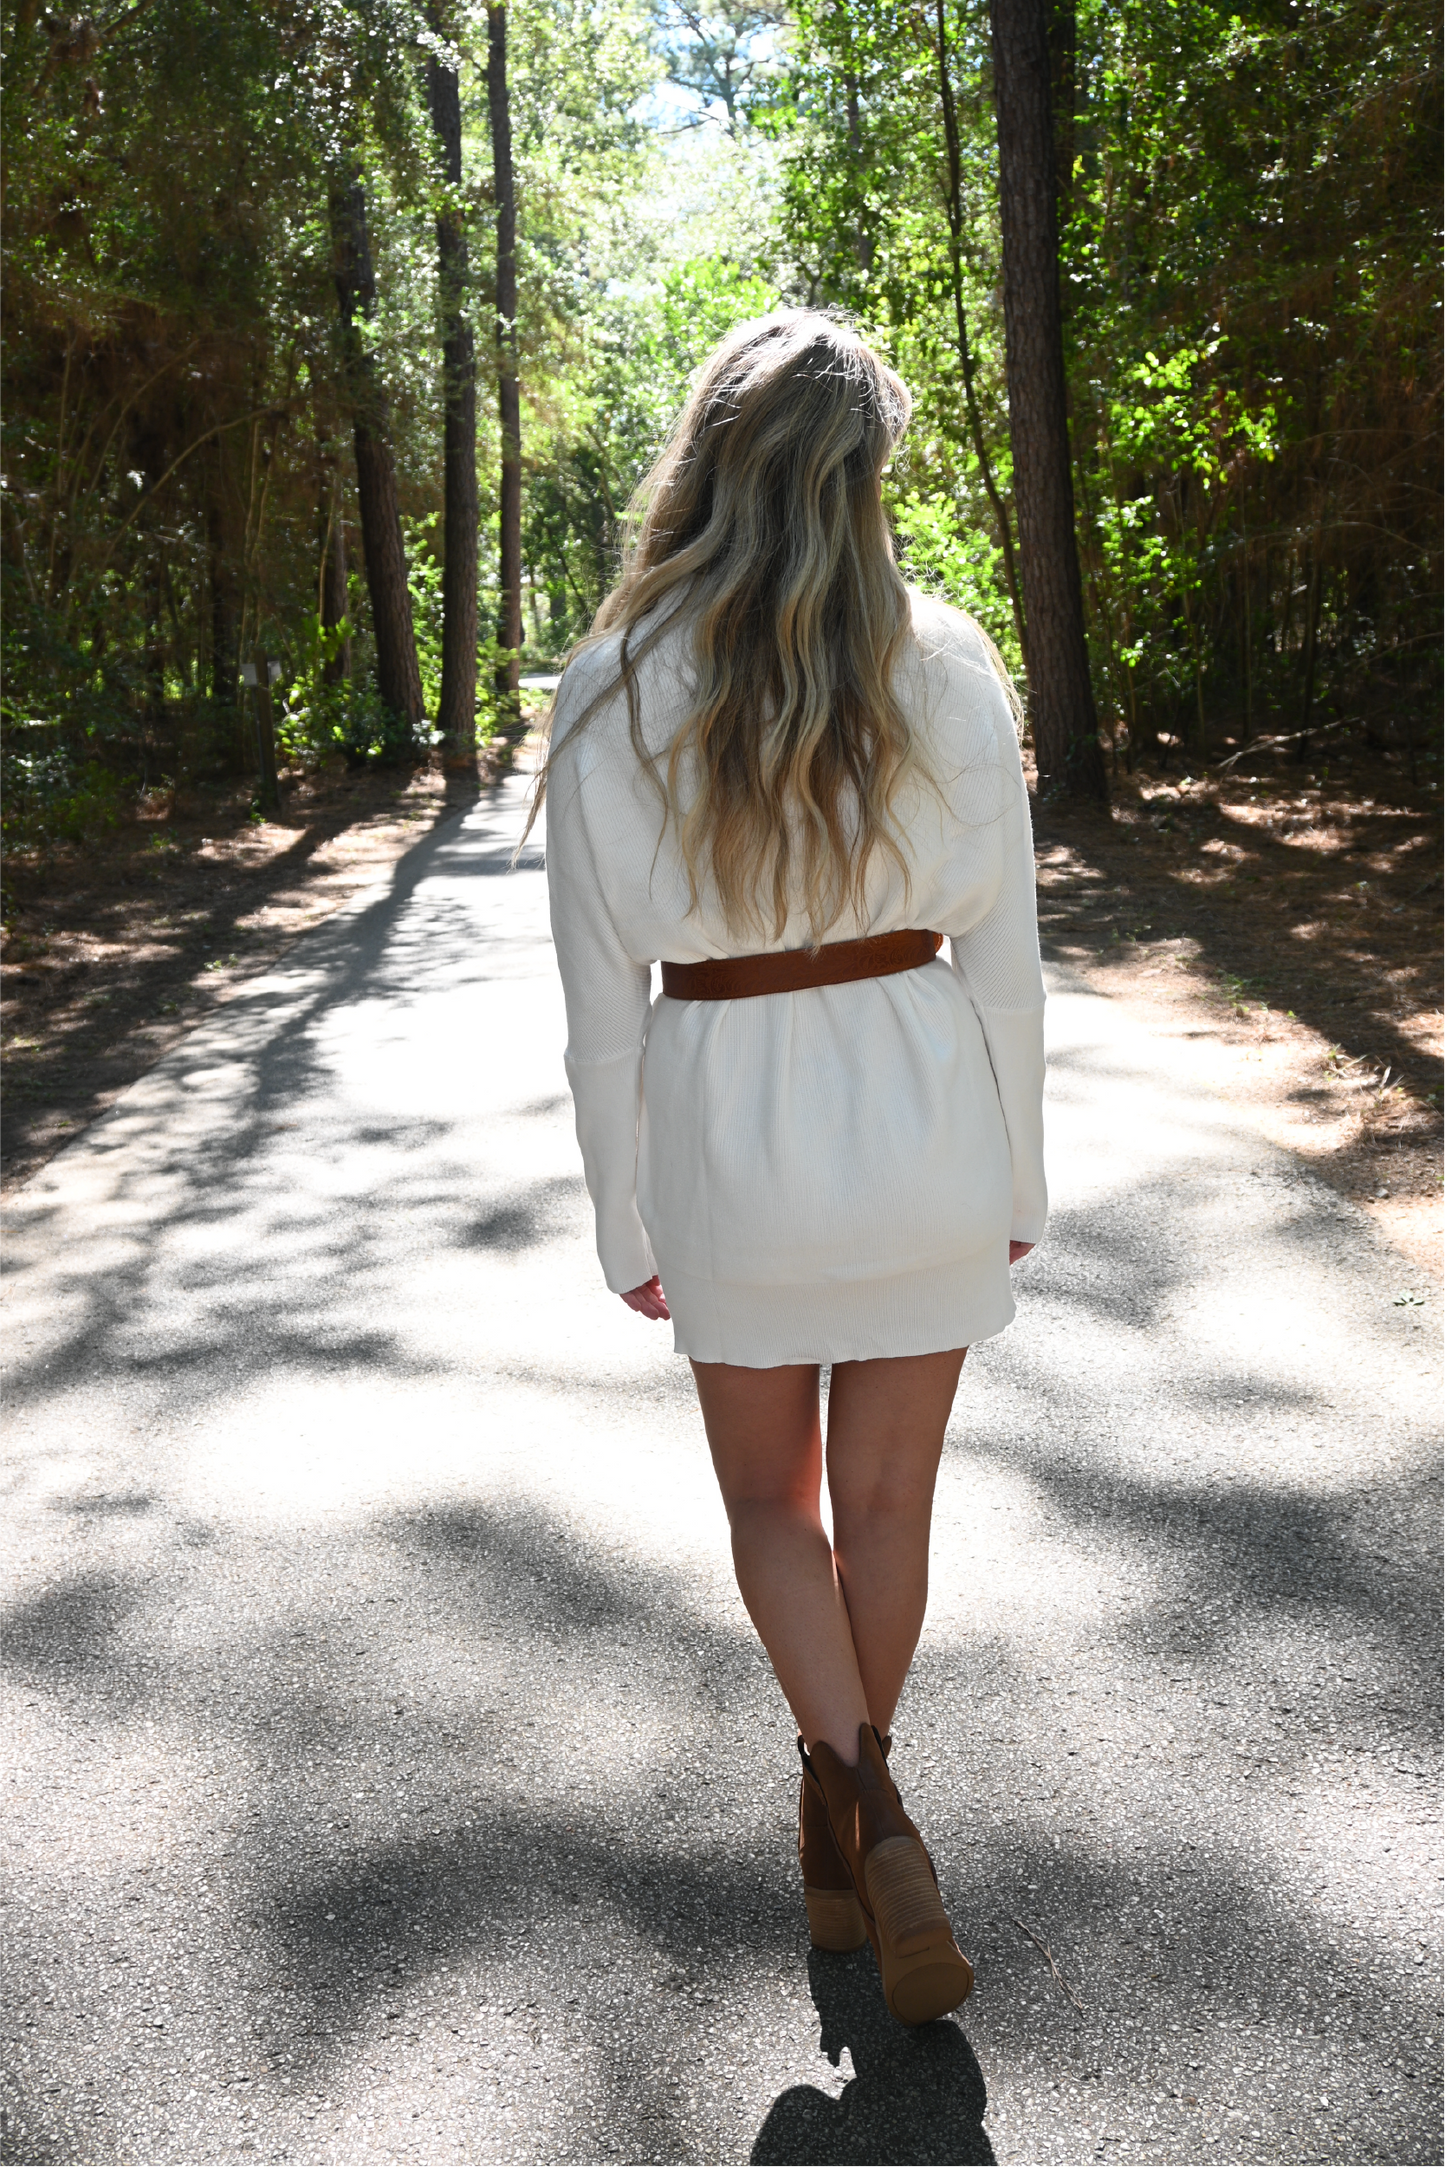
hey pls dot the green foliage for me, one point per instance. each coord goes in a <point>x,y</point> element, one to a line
<point>656,277</point>
<point>320,715</point>
<point>725,56</point>
<point>951,554</point>
<point>1249,261</point>
<point>859,126</point>
<point>1252,332</point>
<point>1250,251</point>
<point>347,718</point>
<point>644,340</point>
<point>46,796</point>
<point>424,582</point>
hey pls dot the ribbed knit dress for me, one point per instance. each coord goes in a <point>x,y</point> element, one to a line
<point>825,1176</point>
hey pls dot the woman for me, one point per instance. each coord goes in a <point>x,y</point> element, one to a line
<point>784,774</point>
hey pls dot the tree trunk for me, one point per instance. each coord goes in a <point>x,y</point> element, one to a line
<point>155,646</point>
<point>222,554</point>
<point>1061,699</point>
<point>457,708</point>
<point>1248,635</point>
<point>862,239</point>
<point>509,399</point>
<point>954,193</point>
<point>268,786</point>
<point>337,668</point>
<point>1312,625</point>
<point>398,678</point>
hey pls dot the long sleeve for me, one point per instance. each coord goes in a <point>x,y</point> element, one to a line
<point>608,995</point>
<point>997,960</point>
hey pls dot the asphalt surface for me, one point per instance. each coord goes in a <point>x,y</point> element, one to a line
<point>390,1771</point>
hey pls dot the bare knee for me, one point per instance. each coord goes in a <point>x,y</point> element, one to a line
<point>762,1429</point>
<point>886,1422</point>
<point>893,1495</point>
<point>754,1512</point>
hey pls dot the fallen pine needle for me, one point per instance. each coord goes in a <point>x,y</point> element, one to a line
<point>1048,1955</point>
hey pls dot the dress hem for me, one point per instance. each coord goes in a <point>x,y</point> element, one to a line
<point>861,1320</point>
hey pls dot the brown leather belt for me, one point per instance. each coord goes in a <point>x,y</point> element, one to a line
<point>793,970</point>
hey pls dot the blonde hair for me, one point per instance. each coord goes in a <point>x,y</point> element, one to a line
<point>762,527</point>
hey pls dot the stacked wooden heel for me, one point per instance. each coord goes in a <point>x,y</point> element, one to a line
<point>867,1876</point>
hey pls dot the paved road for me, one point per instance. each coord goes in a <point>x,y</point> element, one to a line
<point>391,1772</point>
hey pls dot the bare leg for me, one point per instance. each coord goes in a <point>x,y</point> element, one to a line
<point>840,1626</point>
<point>767,1448</point>
<point>885,1433</point>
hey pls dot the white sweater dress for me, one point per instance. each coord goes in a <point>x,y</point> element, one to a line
<point>825,1176</point>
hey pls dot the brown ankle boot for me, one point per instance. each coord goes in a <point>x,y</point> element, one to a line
<point>924,1975</point>
<point>835,1920</point>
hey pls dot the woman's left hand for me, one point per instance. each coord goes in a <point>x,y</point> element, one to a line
<point>1016,1252</point>
<point>648,1300</point>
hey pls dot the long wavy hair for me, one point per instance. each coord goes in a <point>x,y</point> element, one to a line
<point>761,527</point>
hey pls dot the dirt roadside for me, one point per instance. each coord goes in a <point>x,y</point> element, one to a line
<point>1289,926</point>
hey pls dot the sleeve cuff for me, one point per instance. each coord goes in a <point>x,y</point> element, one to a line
<point>1015,1040</point>
<point>607,1096</point>
<point>624,1249</point>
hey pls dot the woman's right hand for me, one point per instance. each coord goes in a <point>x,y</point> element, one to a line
<point>648,1300</point>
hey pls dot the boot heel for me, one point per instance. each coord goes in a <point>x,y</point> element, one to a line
<point>924,1975</point>
<point>835,1916</point>
<point>835,1919</point>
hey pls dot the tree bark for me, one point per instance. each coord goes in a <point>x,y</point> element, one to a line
<point>862,239</point>
<point>398,678</point>
<point>333,576</point>
<point>268,785</point>
<point>457,708</point>
<point>509,397</point>
<point>1312,623</point>
<point>954,192</point>
<point>155,649</point>
<point>222,557</point>
<point>1061,699</point>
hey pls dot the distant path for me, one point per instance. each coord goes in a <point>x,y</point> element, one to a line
<point>391,1770</point>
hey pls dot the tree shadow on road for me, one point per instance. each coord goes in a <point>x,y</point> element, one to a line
<point>382,1848</point>
<point>387,1714</point>
<point>915,2096</point>
<point>254,1239</point>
